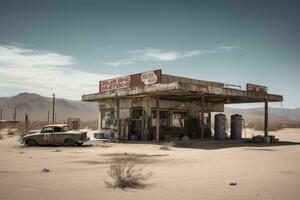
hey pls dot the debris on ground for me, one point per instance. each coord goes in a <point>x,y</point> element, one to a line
<point>45,170</point>
<point>233,183</point>
<point>57,150</point>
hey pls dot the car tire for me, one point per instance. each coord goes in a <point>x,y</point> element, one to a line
<point>70,142</point>
<point>31,142</point>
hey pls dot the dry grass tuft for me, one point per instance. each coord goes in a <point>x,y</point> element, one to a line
<point>125,174</point>
<point>164,147</point>
<point>105,145</point>
<point>89,125</point>
<point>182,144</point>
<point>273,126</point>
<point>11,132</point>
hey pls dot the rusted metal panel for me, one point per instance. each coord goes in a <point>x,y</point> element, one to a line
<point>256,88</point>
<point>134,80</point>
<point>115,84</point>
<point>166,78</point>
<point>179,88</point>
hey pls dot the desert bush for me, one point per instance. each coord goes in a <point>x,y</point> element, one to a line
<point>90,125</point>
<point>11,132</point>
<point>291,125</point>
<point>164,147</point>
<point>182,143</point>
<point>258,125</point>
<point>126,174</point>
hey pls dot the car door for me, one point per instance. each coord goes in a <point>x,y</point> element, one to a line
<point>47,135</point>
<point>58,135</point>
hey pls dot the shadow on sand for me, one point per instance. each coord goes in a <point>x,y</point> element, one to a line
<point>211,144</point>
<point>214,144</point>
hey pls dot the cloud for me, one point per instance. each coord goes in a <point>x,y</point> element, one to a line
<point>228,48</point>
<point>12,55</point>
<point>151,54</point>
<point>44,72</point>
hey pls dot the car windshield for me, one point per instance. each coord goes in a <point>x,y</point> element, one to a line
<point>65,128</point>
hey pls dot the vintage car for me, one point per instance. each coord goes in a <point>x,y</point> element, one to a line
<point>55,134</point>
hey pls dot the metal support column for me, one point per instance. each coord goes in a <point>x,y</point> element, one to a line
<point>118,117</point>
<point>209,123</point>
<point>266,116</point>
<point>157,119</point>
<point>202,118</point>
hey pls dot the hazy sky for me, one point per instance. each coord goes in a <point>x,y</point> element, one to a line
<point>66,47</point>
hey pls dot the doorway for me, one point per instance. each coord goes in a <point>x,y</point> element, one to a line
<point>136,124</point>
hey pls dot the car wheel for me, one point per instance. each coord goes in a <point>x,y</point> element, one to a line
<point>31,142</point>
<point>70,142</point>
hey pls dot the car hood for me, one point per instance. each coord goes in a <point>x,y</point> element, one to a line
<point>75,132</point>
<point>31,134</point>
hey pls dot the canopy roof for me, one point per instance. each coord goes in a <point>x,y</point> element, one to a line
<point>186,89</point>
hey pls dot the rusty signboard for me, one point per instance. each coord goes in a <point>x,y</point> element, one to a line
<point>134,80</point>
<point>115,84</point>
<point>256,88</point>
<point>149,78</point>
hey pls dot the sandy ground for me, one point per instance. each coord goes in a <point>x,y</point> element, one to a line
<point>204,172</point>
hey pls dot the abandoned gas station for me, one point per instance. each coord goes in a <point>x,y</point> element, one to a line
<point>156,106</point>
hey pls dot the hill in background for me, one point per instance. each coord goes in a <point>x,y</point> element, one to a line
<point>37,107</point>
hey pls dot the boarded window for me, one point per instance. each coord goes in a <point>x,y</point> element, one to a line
<point>178,119</point>
<point>163,118</point>
<point>107,118</point>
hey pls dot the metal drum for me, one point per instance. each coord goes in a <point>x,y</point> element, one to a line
<point>236,127</point>
<point>220,127</point>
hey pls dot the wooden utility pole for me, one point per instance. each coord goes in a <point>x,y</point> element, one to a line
<point>15,114</point>
<point>157,119</point>
<point>26,124</point>
<point>1,114</point>
<point>48,116</point>
<point>53,107</point>
<point>55,118</point>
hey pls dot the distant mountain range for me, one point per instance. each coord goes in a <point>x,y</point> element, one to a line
<point>275,114</point>
<point>37,107</point>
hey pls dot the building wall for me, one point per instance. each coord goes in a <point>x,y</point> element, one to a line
<point>148,103</point>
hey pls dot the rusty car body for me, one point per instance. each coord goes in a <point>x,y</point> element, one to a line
<point>55,134</point>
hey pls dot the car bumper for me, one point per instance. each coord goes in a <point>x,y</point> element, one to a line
<point>83,141</point>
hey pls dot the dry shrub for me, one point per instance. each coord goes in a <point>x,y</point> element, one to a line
<point>260,126</point>
<point>182,144</point>
<point>164,147</point>
<point>89,125</point>
<point>1,137</point>
<point>105,145</point>
<point>126,174</point>
<point>11,132</point>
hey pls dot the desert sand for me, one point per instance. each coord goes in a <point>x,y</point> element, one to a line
<point>202,172</point>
